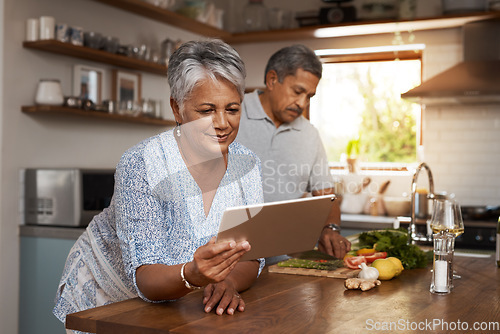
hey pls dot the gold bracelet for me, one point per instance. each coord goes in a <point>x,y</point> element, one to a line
<point>186,283</point>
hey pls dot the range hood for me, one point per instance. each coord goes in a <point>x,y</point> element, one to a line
<point>474,81</point>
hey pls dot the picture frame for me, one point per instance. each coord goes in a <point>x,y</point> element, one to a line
<point>126,86</point>
<point>88,83</point>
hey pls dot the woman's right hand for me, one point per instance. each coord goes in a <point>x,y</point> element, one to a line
<point>213,262</point>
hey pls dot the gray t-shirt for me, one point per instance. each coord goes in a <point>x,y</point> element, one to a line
<point>293,158</point>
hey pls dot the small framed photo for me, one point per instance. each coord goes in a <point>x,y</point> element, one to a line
<point>126,86</point>
<point>88,83</point>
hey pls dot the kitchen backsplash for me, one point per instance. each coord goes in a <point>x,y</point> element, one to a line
<point>461,145</point>
<point>461,141</point>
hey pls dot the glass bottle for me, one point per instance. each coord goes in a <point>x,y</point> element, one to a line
<point>255,16</point>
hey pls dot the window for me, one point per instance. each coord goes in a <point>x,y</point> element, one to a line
<point>358,98</point>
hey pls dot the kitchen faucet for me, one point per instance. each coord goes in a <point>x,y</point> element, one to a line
<point>412,229</point>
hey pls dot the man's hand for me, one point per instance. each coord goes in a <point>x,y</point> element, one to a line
<point>332,243</point>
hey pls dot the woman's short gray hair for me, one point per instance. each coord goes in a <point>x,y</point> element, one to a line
<point>197,60</point>
<point>288,60</point>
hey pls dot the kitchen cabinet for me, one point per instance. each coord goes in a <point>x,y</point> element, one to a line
<point>146,9</point>
<point>42,262</point>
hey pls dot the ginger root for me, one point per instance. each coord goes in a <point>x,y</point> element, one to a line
<point>359,283</point>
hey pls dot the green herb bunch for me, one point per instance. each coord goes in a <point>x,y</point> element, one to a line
<point>395,243</point>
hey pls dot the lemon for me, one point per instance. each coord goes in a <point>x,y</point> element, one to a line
<point>398,264</point>
<point>386,269</point>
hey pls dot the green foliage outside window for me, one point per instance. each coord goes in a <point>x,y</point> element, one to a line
<point>361,101</point>
<point>388,128</point>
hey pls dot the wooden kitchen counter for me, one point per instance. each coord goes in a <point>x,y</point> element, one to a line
<point>281,303</point>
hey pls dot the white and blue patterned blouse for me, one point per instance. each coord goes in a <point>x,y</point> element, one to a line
<point>156,216</point>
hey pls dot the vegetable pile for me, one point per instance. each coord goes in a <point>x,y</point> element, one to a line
<point>395,243</point>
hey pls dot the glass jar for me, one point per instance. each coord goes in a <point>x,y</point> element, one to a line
<point>407,9</point>
<point>255,16</point>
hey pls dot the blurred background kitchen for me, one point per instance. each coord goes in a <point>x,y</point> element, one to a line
<point>50,119</point>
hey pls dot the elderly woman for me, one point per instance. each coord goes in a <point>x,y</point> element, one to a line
<point>156,240</point>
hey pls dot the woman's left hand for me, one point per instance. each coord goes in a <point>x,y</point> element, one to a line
<point>224,296</point>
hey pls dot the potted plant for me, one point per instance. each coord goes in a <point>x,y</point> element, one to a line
<point>352,152</point>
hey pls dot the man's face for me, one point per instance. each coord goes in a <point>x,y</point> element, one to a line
<point>290,98</point>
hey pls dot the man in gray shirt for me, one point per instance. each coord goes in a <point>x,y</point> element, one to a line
<point>294,161</point>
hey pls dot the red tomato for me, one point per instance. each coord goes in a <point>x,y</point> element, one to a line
<point>354,261</point>
<point>375,256</point>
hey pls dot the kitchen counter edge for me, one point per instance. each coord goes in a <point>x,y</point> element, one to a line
<point>58,232</point>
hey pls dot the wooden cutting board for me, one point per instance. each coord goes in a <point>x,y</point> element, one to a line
<point>337,273</point>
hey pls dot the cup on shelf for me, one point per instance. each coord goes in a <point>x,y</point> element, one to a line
<point>73,102</point>
<point>63,32</point>
<point>92,39</point>
<point>148,108</point>
<point>110,106</point>
<point>32,30</point>
<point>155,56</point>
<point>125,50</point>
<point>47,27</point>
<point>76,36</point>
<point>159,110</point>
<point>88,105</point>
<point>276,18</point>
<point>110,44</point>
<point>129,108</point>
<point>166,49</point>
<point>142,52</point>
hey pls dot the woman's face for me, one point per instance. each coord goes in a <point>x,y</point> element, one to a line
<point>210,118</point>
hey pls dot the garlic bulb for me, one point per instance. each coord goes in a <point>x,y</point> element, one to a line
<point>368,272</point>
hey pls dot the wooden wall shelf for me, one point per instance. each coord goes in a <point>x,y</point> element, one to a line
<point>65,111</point>
<point>86,53</point>
<point>145,9</point>
<point>361,28</point>
<point>151,11</point>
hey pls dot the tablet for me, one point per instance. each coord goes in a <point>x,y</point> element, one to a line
<point>277,228</point>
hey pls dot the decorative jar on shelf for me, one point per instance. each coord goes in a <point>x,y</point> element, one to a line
<point>255,16</point>
<point>49,92</point>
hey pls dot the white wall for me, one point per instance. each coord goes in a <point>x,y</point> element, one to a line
<point>57,141</point>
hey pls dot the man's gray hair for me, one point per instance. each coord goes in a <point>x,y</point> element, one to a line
<point>288,60</point>
<point>198,60</point>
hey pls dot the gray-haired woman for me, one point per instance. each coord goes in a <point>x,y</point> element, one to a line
<point>156,239</point>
